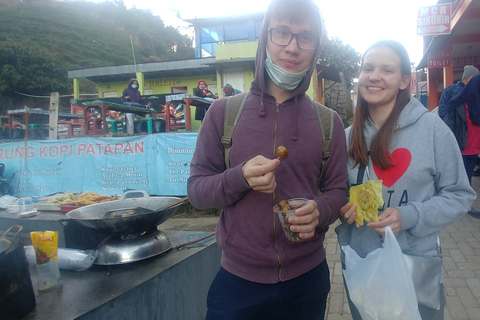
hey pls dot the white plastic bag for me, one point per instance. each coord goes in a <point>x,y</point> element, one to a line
<point>380,285</point>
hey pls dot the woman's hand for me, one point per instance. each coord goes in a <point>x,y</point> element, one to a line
<point>349,214</point>
<point>390,217</point>
<point>259,172</point>
<point>305,220</point>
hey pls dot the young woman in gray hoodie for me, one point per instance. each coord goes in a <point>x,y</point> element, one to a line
<point>395,139</point>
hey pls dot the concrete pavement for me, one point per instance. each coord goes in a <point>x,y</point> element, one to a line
<point>461,263</point>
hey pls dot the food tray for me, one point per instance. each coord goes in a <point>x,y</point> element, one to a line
<point>68,207</point>
<point>45,206</point>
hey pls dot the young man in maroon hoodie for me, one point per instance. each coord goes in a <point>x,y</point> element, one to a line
<point>263,275</point>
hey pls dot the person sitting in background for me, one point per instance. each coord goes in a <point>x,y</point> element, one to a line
<point>202,91</point>
<point>228,90</point>
<point>131,96</point>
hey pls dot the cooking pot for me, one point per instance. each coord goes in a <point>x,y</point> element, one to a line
<point>158,211</point>
<point>4,242</point>
<point>17,298</point>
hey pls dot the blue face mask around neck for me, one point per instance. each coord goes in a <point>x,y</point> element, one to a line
<point>283,79</point>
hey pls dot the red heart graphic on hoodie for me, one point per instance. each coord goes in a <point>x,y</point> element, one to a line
<point>401,159</point>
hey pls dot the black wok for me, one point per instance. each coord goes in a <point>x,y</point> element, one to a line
<point>92,216</point>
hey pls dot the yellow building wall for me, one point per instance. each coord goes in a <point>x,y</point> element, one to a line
<point>236,50</point>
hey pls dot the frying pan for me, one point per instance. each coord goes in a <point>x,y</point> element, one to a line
<point>4,242</point>
<point>157,210</point>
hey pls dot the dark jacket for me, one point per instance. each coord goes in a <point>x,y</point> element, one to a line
<point>250,235</point>
<point>469,94</point>
<point>199,112</point>
<point>134,94</point>
<point>447,94</point>
<point>456,120</point>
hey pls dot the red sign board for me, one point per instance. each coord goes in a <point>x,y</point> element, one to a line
<point>439,59</point>
<point>434,20</point>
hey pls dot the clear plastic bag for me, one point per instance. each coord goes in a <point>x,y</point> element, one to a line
<point>7,200</point>
<point>68,259</point>
<point>380,284</point>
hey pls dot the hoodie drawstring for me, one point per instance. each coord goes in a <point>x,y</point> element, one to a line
<point>262,106</point>
<point>294,117</point>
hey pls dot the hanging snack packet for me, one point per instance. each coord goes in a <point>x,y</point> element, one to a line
<point>45,246</point>
<point>367,197</point>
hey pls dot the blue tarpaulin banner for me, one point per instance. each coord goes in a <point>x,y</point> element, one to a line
<point>158,164</point>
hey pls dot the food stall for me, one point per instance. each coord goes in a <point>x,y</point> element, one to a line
<point>171,283</point>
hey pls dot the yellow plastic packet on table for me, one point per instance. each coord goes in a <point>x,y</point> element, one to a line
<point>367,197</point>
<point>45,245</point>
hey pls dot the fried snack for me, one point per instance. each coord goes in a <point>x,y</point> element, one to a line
<point>87,198</point>
<point>282,152</point>
<point>284,206</point>
<point>367,197</point>
<point>68,197</point>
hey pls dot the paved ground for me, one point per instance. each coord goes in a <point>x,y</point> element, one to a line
<point>461,262</point>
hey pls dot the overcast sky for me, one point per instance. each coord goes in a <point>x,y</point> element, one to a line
<point>358,23</point>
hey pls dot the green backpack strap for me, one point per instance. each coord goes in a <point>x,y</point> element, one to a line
<point>233,109</point>
<point>326,120</point>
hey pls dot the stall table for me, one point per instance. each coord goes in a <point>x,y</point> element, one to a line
<point>104,106</point>
<point>189,100</point>
<point>172,285</point>
<point>27,112</point>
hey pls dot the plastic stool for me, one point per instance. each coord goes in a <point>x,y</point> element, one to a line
<point>94,126</point>
<point>113,125</point>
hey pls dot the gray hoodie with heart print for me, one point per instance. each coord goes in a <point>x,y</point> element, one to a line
<point>428,184</point>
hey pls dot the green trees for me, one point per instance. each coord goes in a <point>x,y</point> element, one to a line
<point>41,40</point>
<point>343,57</point>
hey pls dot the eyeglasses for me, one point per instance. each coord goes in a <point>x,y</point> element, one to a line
<point>283,38</point>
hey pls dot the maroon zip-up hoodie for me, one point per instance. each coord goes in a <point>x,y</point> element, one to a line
<point>253,244</point>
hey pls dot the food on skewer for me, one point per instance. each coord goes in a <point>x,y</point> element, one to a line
<point>282,152</point>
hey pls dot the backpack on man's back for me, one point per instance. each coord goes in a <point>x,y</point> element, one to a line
<point>233,110</point>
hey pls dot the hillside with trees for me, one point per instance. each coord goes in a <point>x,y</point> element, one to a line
<point>41,40</point>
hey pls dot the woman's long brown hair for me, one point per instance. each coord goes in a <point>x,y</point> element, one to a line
<point>381,141</point>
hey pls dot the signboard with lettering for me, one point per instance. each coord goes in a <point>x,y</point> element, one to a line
<point>158,164</point>
<point>434,20</point>
<point>460,62</point>
<point>439,59</point>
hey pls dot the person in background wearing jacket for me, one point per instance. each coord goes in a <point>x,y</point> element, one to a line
<point>262,274</point>
<point>131,96</point>
<point>452,90</point>
<point>202,91</point>
<point>395,139</point>
<point>458,117</point>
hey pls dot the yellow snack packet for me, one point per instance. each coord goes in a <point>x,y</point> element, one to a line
<point>367,197</point>
<point>45,245</point>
